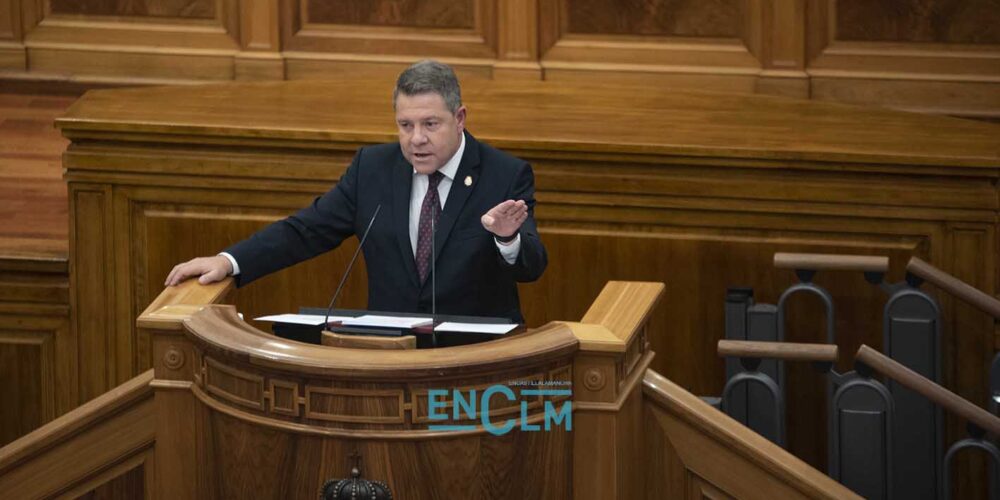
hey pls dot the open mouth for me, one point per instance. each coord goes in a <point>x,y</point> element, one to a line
<point>421,156</point>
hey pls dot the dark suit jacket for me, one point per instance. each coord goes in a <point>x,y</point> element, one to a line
<point>472,277</point>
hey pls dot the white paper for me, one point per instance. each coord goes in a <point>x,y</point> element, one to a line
<point>495,328</point>
<point>386,321</point>
<point>300,319</point>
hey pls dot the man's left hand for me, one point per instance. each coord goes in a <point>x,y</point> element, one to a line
<point>506,218</point>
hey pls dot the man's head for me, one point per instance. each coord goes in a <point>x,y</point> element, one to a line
<point>429,114</point>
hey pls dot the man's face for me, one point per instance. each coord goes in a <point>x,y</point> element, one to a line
<point>429,133</point>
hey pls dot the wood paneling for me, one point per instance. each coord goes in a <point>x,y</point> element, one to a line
<point>931,56</point>
<point>131,484</point>
<point>411,13</point>
<point>687,18</point>
<point>192,9</point>
<point>937,56</point>
<point>379,37</point>
<point>943,21</point>
<point>36,348</point>
<point>26,365</point>
<point>91,282</point>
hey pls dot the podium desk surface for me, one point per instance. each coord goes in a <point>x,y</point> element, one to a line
<point>218,328</point>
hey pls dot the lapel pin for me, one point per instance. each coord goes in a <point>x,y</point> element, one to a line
<point>468,180</point>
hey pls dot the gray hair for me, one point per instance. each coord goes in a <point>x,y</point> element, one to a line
<point>430,76</point>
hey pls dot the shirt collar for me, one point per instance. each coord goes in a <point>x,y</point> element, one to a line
<point>450,168</point>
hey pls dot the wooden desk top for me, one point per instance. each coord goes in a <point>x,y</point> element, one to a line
<point>557,117</point>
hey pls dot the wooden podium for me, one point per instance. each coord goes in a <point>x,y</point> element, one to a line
<point>229,411</point>
<point>253,415</point>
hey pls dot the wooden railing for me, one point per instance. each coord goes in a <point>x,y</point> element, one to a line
<point>106,444</point>
<point>825,262</point>
<point>947,400</point>
<point>960,289</point>
<point>777,350</point>
<point>702,453</point>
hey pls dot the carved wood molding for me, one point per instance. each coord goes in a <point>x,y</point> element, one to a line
<point>380,407</point>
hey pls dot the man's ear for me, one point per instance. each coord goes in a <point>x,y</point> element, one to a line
<point>460,117</point>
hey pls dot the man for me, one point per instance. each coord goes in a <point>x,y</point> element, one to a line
<point>479,200</point>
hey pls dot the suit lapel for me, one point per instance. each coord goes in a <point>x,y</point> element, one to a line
<point>402,180</point>
<point>459,193</point>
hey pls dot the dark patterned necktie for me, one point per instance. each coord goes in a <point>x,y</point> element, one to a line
<point>429,209</point>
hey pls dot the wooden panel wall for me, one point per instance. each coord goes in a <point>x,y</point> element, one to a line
<point>940,56</point>
<point>36,348</point>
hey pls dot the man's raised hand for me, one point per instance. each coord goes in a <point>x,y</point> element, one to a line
<point>506,218</point>
<point>209,270</point>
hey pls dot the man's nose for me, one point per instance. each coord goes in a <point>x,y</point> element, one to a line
<point>418,137</point>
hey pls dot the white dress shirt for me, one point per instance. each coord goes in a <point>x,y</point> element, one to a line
<point>418,190</point>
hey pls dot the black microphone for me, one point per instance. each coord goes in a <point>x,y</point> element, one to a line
<point>350,265</point>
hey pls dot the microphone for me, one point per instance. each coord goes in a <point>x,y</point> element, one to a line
<point>350,265</point>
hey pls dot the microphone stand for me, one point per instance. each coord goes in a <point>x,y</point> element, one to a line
<point>433,281</point>
<point>350,266</point>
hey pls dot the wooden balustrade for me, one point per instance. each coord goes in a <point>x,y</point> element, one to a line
<point>695,451</point>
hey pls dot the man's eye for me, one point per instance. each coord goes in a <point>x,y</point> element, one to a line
<point>431,124</point>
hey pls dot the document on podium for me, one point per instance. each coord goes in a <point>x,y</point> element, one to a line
<point>494,328</point>
<point>300,319</point>
<point>377,321</point>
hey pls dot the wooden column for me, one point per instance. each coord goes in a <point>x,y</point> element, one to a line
<point>260,56</point>
<point>12,51</point>
<point>178,416</point>
<point>607,391</point>
<point>782,48</point>
<point>517,56</point>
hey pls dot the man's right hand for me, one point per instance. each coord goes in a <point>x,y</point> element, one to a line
<point>209,270</point>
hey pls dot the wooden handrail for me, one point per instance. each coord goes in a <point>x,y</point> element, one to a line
<point>777,350</point>
<point>822,262</point>
<point>954,286</point>
<point>709,432</point>
<point>84,448</point>
<point>912,380</point>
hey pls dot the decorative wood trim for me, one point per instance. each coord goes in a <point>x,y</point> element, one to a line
<point>91,283</point>
<point>900,74</point>
<point>625,389</point>
<point>211,384</point>
<point>561,50</point>
<point>403,435</point>
<point>366,395</point>
<point>300,34</point>
<point>517,48</point>
<point>285,385</point>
